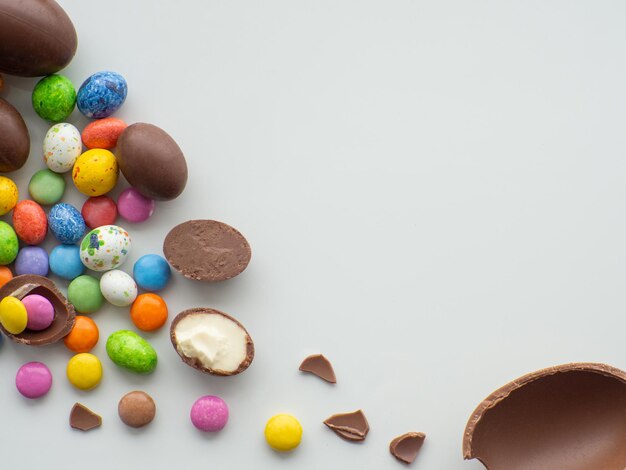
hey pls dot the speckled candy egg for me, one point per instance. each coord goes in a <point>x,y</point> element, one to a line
<point>30,222</point>
<point>118,288</point>
<point>95,172</point>
<point>8,195</point>
<point>105,248</point>
<point>102,94</point>
<point>61,147</point>
<point>66,223</point>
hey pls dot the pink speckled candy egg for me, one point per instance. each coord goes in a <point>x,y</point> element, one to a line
<point>134,206</point>
<point>209,413</point>
<point>33,379</point>
<point>39,310</point>
<point>103,133</point>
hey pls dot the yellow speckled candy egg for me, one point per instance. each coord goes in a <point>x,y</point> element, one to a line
<point>8,195</point>
<point>95,172</point>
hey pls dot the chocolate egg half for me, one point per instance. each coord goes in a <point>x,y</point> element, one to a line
<point>37,37</point>
<point>568,417</point>
<point>212,341</point>
<point>152,161</point>
<point>64,314</point>
<point>14,140</point>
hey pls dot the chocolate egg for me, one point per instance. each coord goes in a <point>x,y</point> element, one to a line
<point>15,141</point>
<point>212,341</point>
<point>152,162</point>
<point>568,417</point>
<point>64,314</point>
<point>37,37</point>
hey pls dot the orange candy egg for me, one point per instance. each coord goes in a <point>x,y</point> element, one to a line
<point>83,336</point>
<point>5,275</point>
<point>148,312</point>
<point>103,133</point>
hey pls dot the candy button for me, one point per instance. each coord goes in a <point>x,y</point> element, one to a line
<point>151,272</point>
<point>39,310</point>
<point>148,312</point>
<point>5,275</point>
<point>84,294</point>
<point>46,187</point>
<point>32,260</point>
<point>209,413</point>
<point>283,432</point>
<point>98,211</point>
<point>65,261</point>
<point>84,371</point>
<point>134,206</point>
<point>13,316</point>
<point>33,380</point>
<point>84,335</point>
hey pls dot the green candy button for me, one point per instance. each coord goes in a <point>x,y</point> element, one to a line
<point>84,294</point>
<point>46,187</point>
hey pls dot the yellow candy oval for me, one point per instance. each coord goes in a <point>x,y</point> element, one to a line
<point>95,172</point>
<point>84,371</point>
<point>283,432</point>
<point>13,315</point>
<point>8,195</point>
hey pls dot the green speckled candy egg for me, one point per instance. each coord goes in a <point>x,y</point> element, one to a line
<point>54,98</point>
<point>8,244</point>
<point>129,350</point>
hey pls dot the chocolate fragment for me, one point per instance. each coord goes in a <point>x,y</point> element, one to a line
<point>37,38</point>
<point>207,250</point>
<point>136,409</point>
<point>406,446</point>
<point>15,140</point>
<point>1,83</point>
<point>212,341</point>
<point>318,365</point>
<point>151,161</point>
<point>568,417</point>
<point>64,314</point>
<point>83,418</point>
<point>351,426</point>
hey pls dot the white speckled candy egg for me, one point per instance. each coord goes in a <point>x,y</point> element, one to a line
<point>105,248</point>
<point>118,288</point>
<point>61,147</point>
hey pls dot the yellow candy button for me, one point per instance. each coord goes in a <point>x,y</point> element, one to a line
<point>84,371</point>
<point>13,315</point>
<point>283,432</point>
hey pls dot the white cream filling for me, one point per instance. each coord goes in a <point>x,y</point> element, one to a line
<point>216,341</point>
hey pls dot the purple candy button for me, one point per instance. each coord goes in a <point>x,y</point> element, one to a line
<point>134,206</point>
<point>40,312</point>
<point>209,413</point>
<point>33,380</point>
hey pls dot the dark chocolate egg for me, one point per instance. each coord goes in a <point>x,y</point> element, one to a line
<point>14,140</point>
<point>568,417</point>
<point>37,37</point>
<point>152,161</point>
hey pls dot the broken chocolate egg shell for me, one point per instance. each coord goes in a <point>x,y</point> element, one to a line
<point>212,341</point>
<point>568,417</point>
<point>64,314</point>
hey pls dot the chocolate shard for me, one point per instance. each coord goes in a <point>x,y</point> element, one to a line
<point>351,426</point>
<point>405,447</point>
<point>318,365</point>
<point>83,418</point>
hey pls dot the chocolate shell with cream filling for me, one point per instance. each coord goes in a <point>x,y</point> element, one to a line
<point>212,341</point>
<point>64,314</point>
<point>568,417</point>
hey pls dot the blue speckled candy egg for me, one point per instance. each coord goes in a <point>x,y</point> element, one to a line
<point>102,94</point>
<point>105,248</point>
<point>66,223</point>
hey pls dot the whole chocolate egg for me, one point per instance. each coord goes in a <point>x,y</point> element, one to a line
<point>152,161</point>
<point>15,140</point>
<point>37,37</point>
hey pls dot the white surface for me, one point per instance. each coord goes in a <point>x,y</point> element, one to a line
<point>434,192</point>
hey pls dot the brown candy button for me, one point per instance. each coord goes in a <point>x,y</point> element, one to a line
<point>83,418</point>
<point>568,417</point>
<point>136,409</point>
<point>351,426</point>
<point>64,314</point>
<point>207,250</point>
<point>318,365</point>
<point>405,447</point>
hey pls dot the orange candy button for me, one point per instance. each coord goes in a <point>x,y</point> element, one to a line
<point>5,275</point>
<point>148,312</point>
<point>83,336</point>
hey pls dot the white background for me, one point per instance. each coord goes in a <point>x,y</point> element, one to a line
<point>435,195</point>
